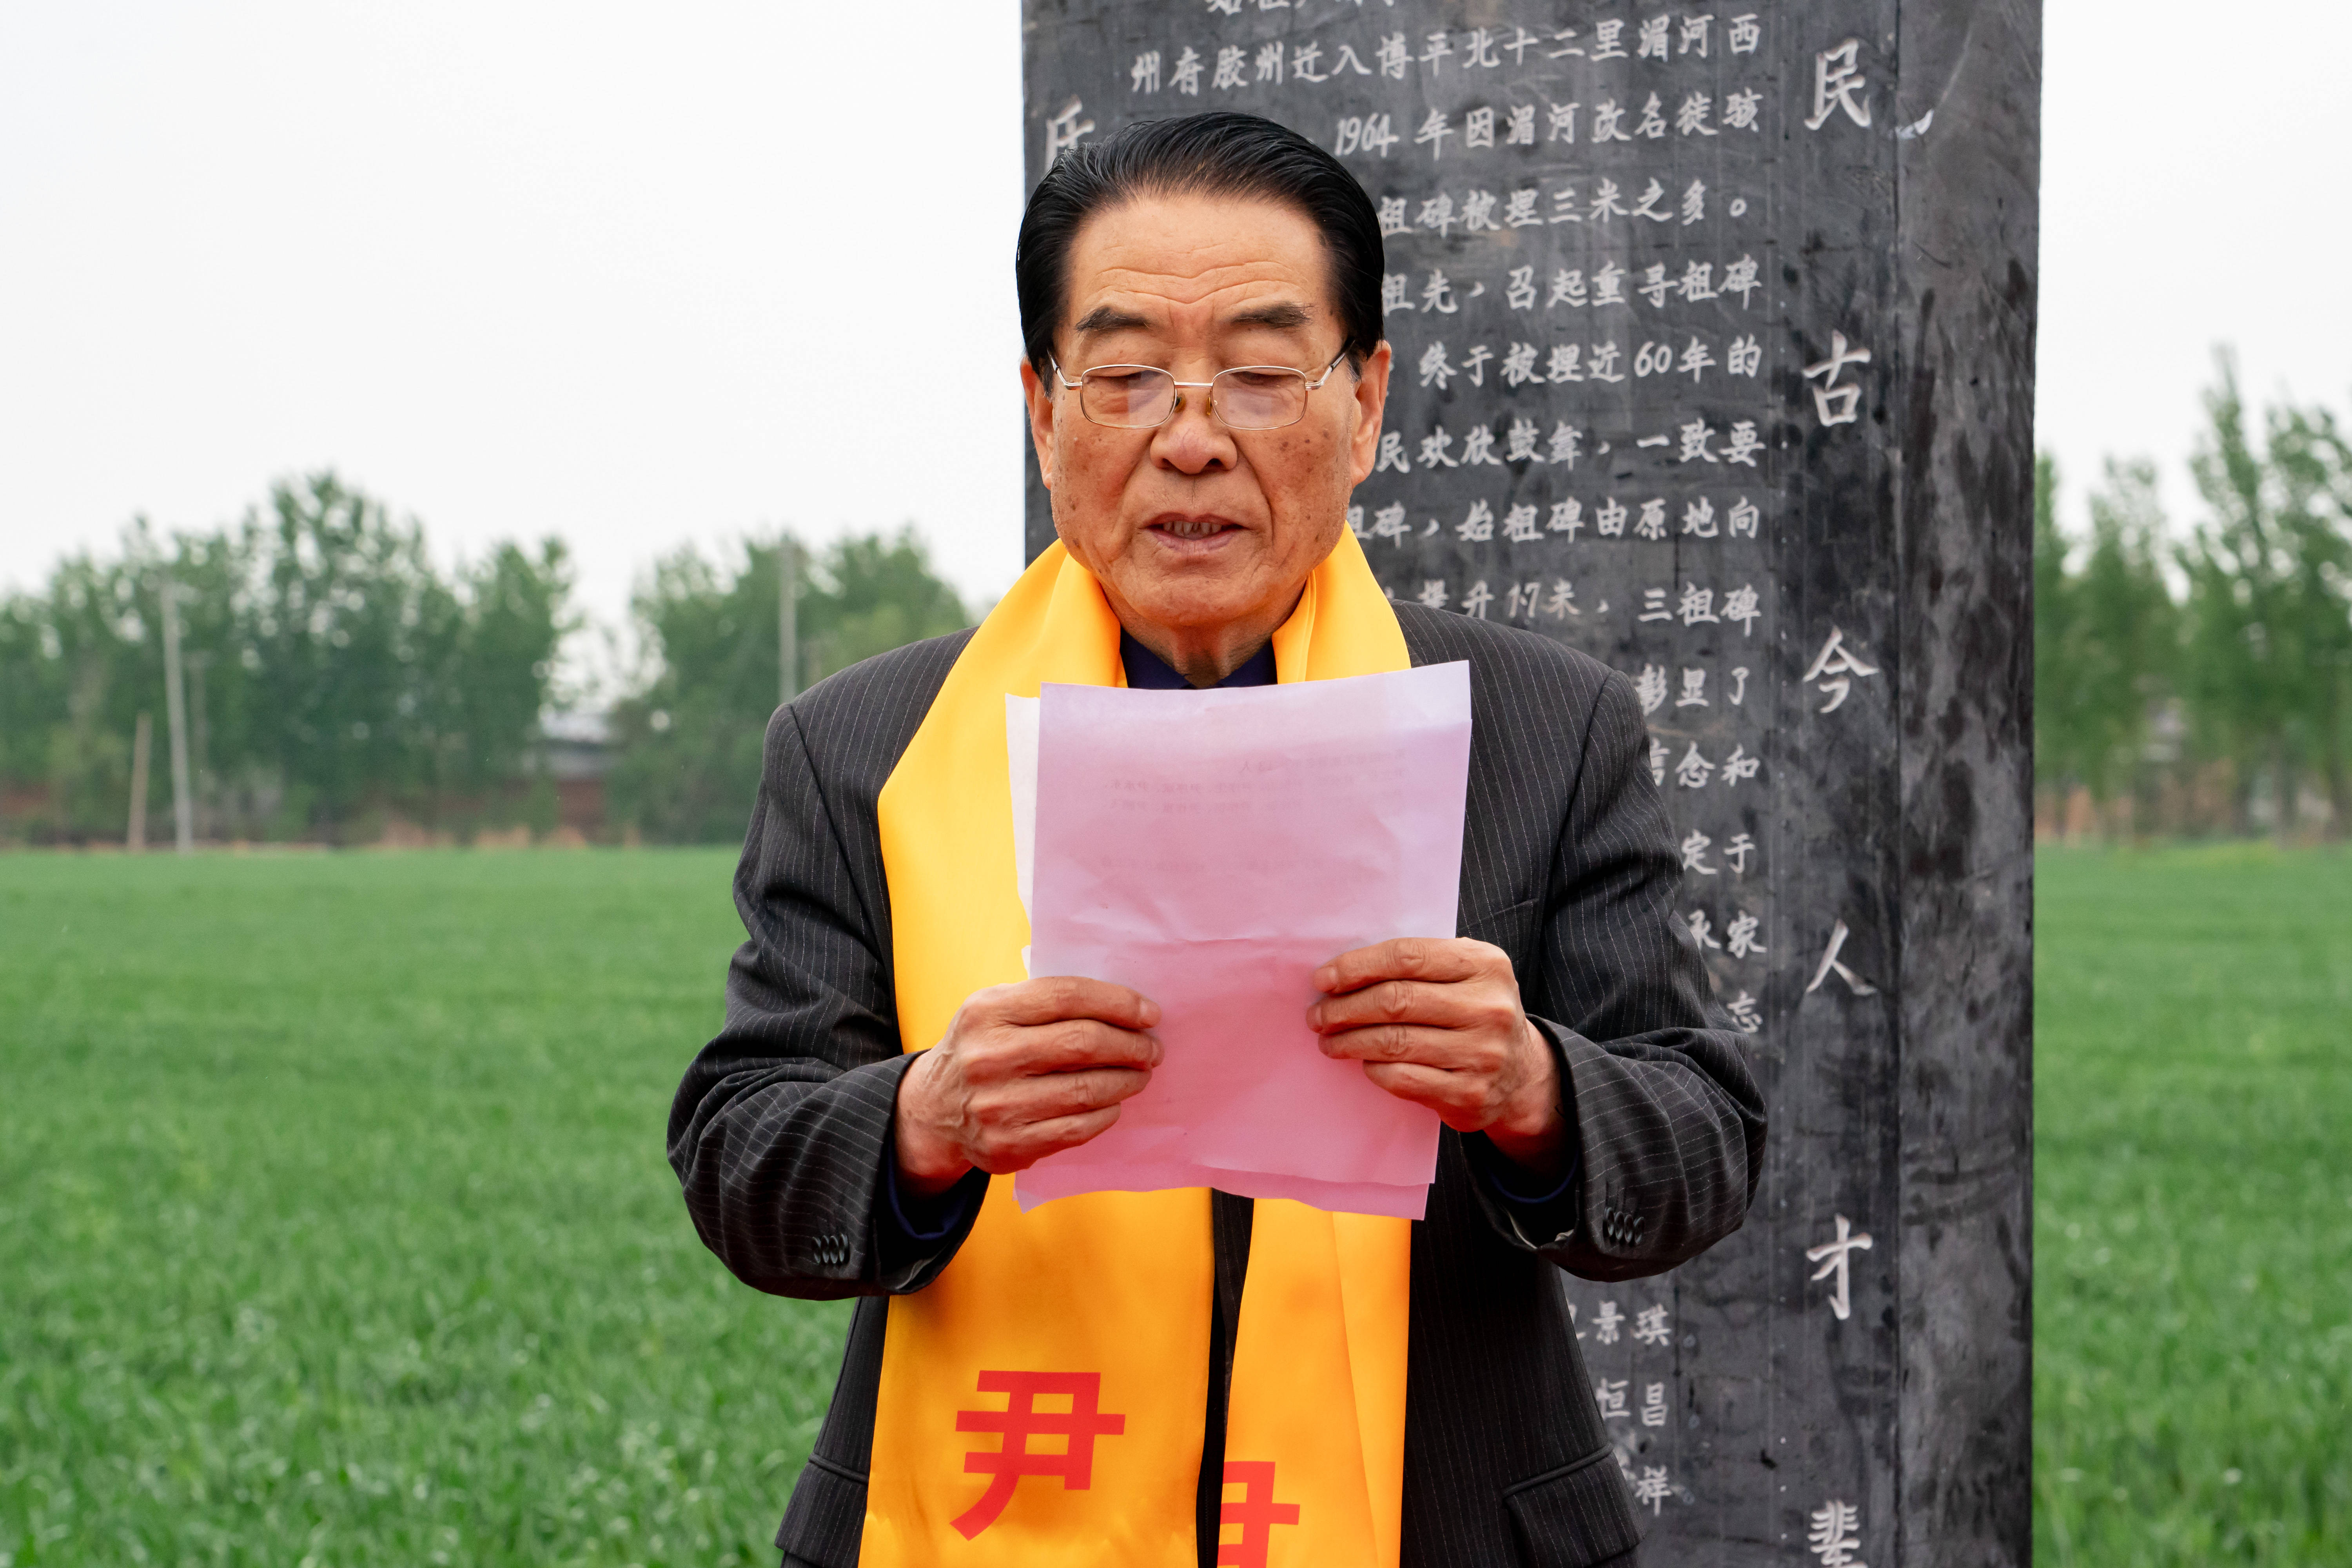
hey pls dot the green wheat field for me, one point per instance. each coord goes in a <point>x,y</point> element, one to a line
<point>335,1228</point>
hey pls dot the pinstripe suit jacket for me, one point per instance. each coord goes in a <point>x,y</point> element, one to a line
<point>780,1132</point>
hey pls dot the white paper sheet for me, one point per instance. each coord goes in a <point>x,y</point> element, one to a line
<point>1211,849</point>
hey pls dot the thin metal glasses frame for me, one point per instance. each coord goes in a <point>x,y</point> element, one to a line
<point>1177,406</point>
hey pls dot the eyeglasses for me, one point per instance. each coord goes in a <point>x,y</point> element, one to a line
<point>1246,397</point>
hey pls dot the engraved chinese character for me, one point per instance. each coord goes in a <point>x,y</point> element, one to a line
<point>1740,277</point>
<point>1834,1255</point>
<point>1737,851</point>
<point>1694,848</point>
<point>1837,77</point>
<point>1066,129</point>
<point>1832,964</point>
<point>1833,403</point>
<point>1741,934</point>
<point>1837,667</point>
<point>1834,1537</point>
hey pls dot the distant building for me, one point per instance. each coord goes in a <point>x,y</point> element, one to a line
<point>576,751</point>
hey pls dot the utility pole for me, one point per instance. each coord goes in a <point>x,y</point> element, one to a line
<point>135,835</point>
<point>788,630</point>
<point>176,708</point>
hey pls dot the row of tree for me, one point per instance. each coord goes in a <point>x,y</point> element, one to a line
<point>337,680</point>
<point>2202,683</point>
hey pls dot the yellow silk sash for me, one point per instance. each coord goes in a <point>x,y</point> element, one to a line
<point>1042,1401</point>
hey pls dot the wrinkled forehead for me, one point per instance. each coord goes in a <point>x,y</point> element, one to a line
<point>1196,266</point>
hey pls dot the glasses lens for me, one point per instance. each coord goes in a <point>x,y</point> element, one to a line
<point>1253,399</point>
<point>1127,396</point>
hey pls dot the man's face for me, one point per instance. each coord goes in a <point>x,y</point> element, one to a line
<point>1191,526</point>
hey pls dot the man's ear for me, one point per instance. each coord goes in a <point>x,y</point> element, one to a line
<point>1372,405</point>
<point>1040,398</point>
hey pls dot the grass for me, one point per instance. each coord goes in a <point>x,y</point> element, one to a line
<point>2193,1208</point>
<point>334,1226</point>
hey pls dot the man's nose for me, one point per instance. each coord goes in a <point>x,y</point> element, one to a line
<point>1192,442</point>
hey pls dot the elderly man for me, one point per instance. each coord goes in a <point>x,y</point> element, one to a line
<point>1172,1378</point>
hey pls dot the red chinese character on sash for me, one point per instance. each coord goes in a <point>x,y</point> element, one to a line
<point>1257,1513</point>
<point>1079,1426</point>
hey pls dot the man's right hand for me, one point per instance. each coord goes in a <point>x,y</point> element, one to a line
<point>1023,1071</point>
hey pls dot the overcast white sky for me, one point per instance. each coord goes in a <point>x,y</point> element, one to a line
<point>616,273</point>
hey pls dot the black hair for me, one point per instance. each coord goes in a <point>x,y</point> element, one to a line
<point>1220,153</point>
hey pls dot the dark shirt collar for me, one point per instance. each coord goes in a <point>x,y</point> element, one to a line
<point>1147,672</point>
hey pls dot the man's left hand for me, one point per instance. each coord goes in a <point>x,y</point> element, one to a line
<point>1437,1021</point>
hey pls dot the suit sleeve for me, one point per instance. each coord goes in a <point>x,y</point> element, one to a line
<point>780,1132</point>
<point>1668,1117</point>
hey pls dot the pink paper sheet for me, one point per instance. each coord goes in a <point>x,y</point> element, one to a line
<point>1213,849</point>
